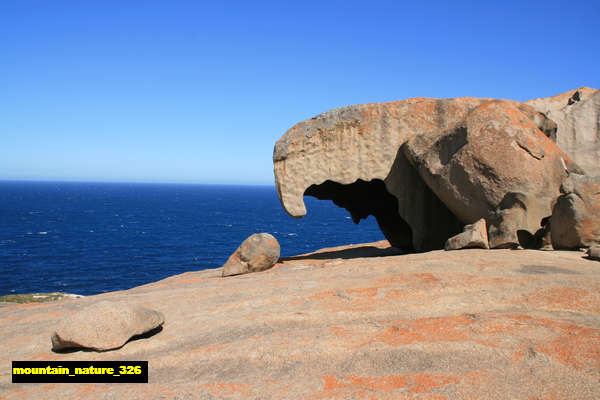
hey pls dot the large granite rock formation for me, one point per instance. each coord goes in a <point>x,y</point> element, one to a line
<point>425,167</point>
<point>353,153</point>
<point>577,116</point>
<point>495,164</point>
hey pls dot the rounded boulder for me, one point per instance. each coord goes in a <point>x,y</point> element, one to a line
<point>258,252</point>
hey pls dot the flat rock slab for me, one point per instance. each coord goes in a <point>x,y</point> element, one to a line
<point>472,324</point>
<point>105,325</point>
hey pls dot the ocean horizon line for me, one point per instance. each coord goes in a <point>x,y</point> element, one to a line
<point>134,182</point>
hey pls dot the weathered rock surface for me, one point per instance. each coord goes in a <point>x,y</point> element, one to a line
<point>473,236</point>
<point>576,215</point>
<point>350,145</point>
<point>257,253</point>
<point>594,253</point>
<point>497,165</point>
<point>473,324</point>
<point>577,116</point>
<point>360,152</point>
<point>105,325</point>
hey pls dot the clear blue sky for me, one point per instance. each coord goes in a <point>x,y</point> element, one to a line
<point>194,91</point>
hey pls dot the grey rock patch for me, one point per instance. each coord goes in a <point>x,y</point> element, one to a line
<point>544,269</point>
<point>577,117</point>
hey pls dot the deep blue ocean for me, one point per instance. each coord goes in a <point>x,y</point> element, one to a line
<point>88,238</point>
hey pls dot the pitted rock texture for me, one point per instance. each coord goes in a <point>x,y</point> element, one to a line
<point>349,323</point>
<point>473,236</point>
<point>577,117</point>
<point>576,216</point>
<point>104,326</point>
<point>257,253</point>
<point>367,143</point>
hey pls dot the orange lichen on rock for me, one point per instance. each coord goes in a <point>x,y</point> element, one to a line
<point>435,326</point>
<point>85,390</point>
<point>362,292</point>
<point>411,386</point>
<point>566,299</point>
<point>426,383</point>
<point>416,280</point>
<point>367,298</point>
<point>443,329</point>
<point>226,388</point>
<point>575,345</point>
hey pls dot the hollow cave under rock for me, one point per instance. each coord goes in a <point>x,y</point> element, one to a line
<point>364,198</point>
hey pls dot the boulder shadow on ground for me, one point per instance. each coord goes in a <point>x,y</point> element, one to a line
<point>345,254</point>
<point>144,335</point>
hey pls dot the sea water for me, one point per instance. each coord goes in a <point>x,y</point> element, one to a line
<point>88,238</point>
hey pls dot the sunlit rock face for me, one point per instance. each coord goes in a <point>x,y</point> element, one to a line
<point>425,167</point>
<point>576,214</point>
<point>577,117</point>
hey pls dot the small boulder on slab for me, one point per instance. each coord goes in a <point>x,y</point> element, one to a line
<point>473,236</point>
<point>576,215</point>
<point>257,253</point>
<point>594,253</point>
<point>105,326</point>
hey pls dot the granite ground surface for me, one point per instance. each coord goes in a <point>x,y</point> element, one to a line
<point>354,322</point>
